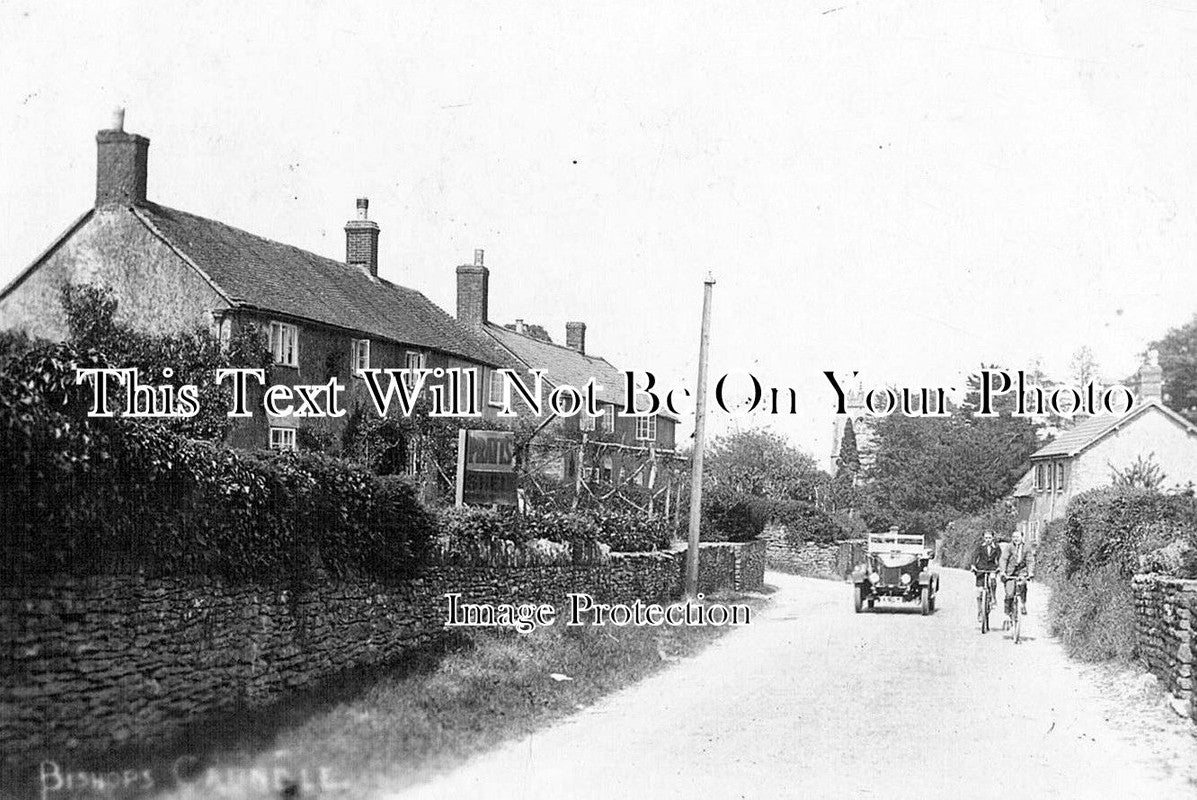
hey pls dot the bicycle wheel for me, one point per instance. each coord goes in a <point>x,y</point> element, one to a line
<point>1017,622</point>
<point>986,604</point>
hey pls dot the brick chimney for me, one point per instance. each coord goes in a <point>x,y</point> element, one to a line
<point>361,240</point>
<point>473,292</point>
<point>1151,379</point>
<point>121,164</point>
<point>575,336</point>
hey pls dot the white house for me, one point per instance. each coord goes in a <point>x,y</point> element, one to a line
<point>1087,455</point>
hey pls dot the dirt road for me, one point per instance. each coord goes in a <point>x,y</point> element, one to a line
<point>815,701</point>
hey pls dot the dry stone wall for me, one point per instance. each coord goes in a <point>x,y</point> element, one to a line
<point>91,663</point>
<point>1165,611</point>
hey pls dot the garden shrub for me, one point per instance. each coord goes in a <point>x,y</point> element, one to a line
<point>804,522</point>
<point>468,528</point>
<point>85,495</point>
<point>732,516</point>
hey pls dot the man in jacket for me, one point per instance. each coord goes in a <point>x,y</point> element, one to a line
<point>1017,561</point>
<point>984,564</point>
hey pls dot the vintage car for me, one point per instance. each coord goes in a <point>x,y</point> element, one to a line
<point>897,567</point>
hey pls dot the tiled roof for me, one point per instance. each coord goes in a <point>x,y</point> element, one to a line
<point>562,364</point>
<point>258,273</point>
<point>1089,431</point>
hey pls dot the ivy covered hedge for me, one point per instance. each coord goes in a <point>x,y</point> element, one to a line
<point>84,495</point>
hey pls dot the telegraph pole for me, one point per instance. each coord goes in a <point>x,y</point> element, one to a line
<point>700,426</point>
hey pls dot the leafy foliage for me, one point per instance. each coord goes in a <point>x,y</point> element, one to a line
<point>930,470</point>
<point>1089,557</point>
<point>191,358</point>
<point>1144,473</point>
<point>476,528</point>
<point>1178,360</point>
<point>962,536</point>
<point>90,495</point>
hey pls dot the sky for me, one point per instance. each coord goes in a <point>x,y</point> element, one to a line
<point>904,189</point>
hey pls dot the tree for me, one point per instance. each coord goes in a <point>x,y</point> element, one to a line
<point>1083,367</point>
<point>930,470</point>
<point>849,458</point>
<point>764,464</point>
<point>1178,360</point>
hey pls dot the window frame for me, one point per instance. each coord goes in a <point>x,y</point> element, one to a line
<point>355,367</point>
<point>278,343</point>
<point>422,363</point>
<point>286,433</point>
<point>1059,476</point>
<point>649,423</point>
<point>609,419</point>
<point>496,382</point>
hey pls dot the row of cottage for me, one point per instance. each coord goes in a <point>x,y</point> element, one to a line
<point>173,271</point>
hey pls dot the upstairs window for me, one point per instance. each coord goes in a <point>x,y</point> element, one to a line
<point>585,421</point>
<point>609,419</point>
<point>284,344</point>
<point>361,355</point>
<point>1060,476</point>
<point>495,396</point>
<point>646,428</point>
<point>1040,478</point>
<point>282,438</point>
<point>413,360</point>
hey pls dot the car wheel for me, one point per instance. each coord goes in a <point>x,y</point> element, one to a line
<point>857,599</point>
<point>932,604</point>
<point>925,600</point>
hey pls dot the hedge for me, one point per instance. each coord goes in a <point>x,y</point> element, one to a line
<point>1088,559</point>
<point>86,496</point>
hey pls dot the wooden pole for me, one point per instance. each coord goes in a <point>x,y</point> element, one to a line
<point>700,425</point>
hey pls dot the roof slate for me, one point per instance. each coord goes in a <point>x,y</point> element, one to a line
<point>254,272</point>
<point>1088,431</point>
<point>562,364</point>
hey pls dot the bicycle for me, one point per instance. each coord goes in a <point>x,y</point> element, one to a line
<point>1018,606</point>
<point>988,591</point>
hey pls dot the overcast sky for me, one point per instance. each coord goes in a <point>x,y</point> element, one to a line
<point>901,188</point>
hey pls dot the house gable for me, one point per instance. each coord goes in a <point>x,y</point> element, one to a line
<point>157,290</point>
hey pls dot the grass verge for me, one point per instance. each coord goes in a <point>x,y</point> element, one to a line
<point>404,726</point>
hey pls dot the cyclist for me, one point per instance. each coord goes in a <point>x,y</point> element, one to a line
<point>984,564</point>
<point>1018,561</point>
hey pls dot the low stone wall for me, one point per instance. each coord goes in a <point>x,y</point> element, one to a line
<point>97,662</point>
<point>1165,613</point>
<point>817,559</point>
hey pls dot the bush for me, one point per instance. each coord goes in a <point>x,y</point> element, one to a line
<point>732,516</point>
<point>476,528</point>
<point>804,522</point>
<point>632,532</point>
<point>1088,559</point>
<point>85,495</point>
<point>1117,525</point>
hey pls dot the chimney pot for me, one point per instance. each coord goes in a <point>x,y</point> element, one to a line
<point>478,254</point>
<point>118,119</point>
<point>363,206</point>
<point>575,336</point>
